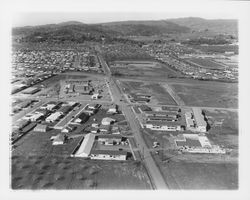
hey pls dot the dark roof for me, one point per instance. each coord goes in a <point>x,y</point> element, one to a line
<point>170,108</point>
<point>189,142</point>
<point>83,116</point>
<point>145,108</point>
<point>159,113</point>
<point>108,152</point>
<point>64,109</point>
<point>160,118</point>
<point>110,136</point>
<point>161,123</point>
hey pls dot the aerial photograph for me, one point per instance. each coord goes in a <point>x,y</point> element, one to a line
<point>133,104</point>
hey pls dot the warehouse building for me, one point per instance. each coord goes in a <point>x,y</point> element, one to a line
<point>86,146</point>
<point>201,124</point>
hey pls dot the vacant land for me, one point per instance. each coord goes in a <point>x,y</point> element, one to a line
<point>141,68</point>
<point>208,94</point>
<point>187,175</point>
<point>205,63</point>
<point>158,92</point>
<point>57,172</point>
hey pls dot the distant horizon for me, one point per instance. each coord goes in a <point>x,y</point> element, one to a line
<point>25,19</point>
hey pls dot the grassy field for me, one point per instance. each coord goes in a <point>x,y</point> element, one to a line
<point>199,176</point>
<point>57,172</point>
<point>141,68</point>
<point>208,94</point>
<point>205,63</point>
<point>159,94</point>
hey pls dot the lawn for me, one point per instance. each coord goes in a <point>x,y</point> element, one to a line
<point>209,94</point>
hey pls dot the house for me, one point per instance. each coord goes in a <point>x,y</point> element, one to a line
<point>41,128</point>
<point>83,117</point>
<point>64,109</point>
<point>163,126</point>
<point>95,96</point>
<point>58,139</point>
<point>53,117</point>
<point>86,146</point>
<point>108,121</point>
<point>108,155</point>
<point>68,129</point>
<point>112,109</point>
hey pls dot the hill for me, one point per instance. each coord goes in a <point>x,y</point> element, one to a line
<point>219,26</point>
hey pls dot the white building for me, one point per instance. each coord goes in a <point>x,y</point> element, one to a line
<point>201,124</point>
<point>108,155</point>
<point>53,117</point>
<point>86,146</point>
<point>95,96</point>
<point>107,121</point>
<point>162,126</point>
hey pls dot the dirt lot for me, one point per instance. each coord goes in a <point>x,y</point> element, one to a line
<point>208,94</point>
<point>55,172</point>
<point>159,94</point>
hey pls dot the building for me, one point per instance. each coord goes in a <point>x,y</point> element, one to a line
<point>163,126</point>
<point>112,109</point>
<point>161,114</point>
<point>95,96</point>
<point>58,139</point>
<point>31,90</point>
<point>53,117</point>
<point>107,121</point>
<point>201,124</point>
<point>108,155</point>
<point>171,109</point>
<point>83,117</point>
<point>41,128</point>
<point>161,118</point>
<point>143,108</point>
<point>64,109</point>
<point>86,146</point>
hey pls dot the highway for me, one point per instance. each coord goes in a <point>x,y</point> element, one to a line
<point>154,172</point>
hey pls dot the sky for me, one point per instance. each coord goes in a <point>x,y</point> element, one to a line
<point>26,12</point>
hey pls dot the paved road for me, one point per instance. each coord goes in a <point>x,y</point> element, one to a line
<point>153,170</point>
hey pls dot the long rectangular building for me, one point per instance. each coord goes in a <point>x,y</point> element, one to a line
<point>201,124</point>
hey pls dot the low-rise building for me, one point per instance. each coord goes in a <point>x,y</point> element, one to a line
<point>108,155</point>
<point>53,117</point>
<point>163,126</point>
<point>41,128</point>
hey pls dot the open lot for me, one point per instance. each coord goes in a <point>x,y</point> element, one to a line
<point>198,176</point>
<point>208,94</point>
<point>141,68</point>
<point>158,92</point>
<point>57,172</point>
<point>205,63</point>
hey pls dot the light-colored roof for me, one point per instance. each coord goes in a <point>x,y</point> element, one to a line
<point>107,120</point>
<point>199,118</point>
<point>86,146</point>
